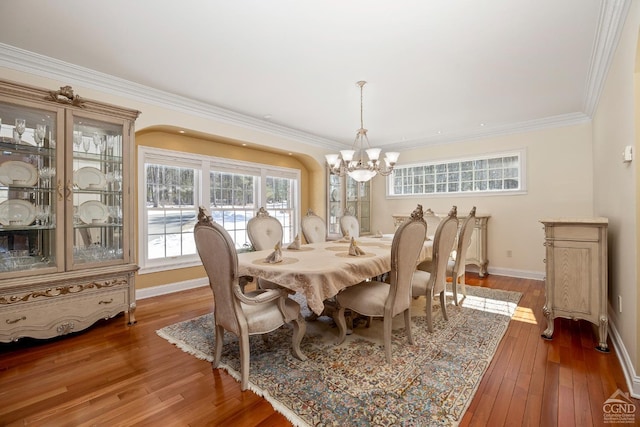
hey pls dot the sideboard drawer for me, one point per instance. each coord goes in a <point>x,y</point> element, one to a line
<point>47,319</point>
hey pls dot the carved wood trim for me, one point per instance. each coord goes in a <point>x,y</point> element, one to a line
<point>63,290</point>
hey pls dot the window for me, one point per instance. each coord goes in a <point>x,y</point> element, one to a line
<point>170,210</point>
<point>502,172</point>
<point>175,185</point>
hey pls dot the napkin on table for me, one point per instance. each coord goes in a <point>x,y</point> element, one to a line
<point>354,249</point>
<point>275,256</point>
<point>378,233</point>
<point>295,244</point>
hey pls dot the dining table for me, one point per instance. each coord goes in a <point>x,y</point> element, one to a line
<point>320,270</point>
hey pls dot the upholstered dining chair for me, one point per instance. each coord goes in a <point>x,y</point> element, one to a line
<point>349,225</point>
<point>253,313</point>
<point>432,221</point>
<point>264,232</point>
<point>381,299</point>
<point>457,260</point>
<point>314,229</point>
<point>434,281</point>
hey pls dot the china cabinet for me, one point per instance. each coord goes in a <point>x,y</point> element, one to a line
<point>346,194</point>
<point>576,273</point>
<point>477,252</point>
<point>66,247</point>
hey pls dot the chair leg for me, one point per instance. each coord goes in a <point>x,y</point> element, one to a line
<point>217,352</point>
<point>443,304</point>
<point>299,329</point>
<point>429,310</point>
<point>454,286</point>
<point>342,325</point>
<point>407,325</point>
<point>463,285</point>
<point>244,361</point>
<point>387,323</point>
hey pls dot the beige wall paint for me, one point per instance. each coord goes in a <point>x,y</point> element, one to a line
<point>615,125</point>
<point>559,180</point>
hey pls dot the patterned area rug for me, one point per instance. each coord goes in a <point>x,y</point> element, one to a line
<point>429,383</point>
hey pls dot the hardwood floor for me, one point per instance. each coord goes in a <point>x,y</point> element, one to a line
<point>117,375</point>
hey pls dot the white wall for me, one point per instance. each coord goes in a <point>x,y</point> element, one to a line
<point>616,185</point>
<point>559,181</point>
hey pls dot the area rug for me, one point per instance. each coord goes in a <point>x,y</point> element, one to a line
<point>429,383</point>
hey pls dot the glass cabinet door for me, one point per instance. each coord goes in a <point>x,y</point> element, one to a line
<point>334,204</point>
<point>358,203</point>
<point>94,179</point>
<point>29,206</point>
<point>345,194</point>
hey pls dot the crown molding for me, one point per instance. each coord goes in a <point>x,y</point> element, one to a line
<point>44,66</point>
<point>498,130</point>
<point>613,14</point>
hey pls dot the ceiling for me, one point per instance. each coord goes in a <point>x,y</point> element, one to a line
<point>437,71</point>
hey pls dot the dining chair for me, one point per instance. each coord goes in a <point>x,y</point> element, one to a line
<point>457,260</point>
<point>242,314</point>
<point>432,221</point>
<point>434,281</point>
<point>314,229</point>
<point>349,225</point>
<point>380,299</point>
<point>264,232</point>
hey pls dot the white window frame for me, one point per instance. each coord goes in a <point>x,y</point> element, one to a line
<point>204,164</point>
<point>521,153</point>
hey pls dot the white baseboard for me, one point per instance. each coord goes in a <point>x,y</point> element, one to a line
<point>171,288</point>
<point>521,274</point>
<point>633,381</point>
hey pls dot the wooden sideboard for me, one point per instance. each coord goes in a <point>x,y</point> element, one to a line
<point>576,273</point>
<point>477,252</point>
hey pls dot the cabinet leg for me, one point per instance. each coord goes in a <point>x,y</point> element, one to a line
<point>548,314</point>
<point>131,314</point>
<point>602,335</point>
<point>483,269</point>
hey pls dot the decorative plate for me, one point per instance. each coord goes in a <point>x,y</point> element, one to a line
<point>14,172</point>
<point>93,212</point>
<point>17,212</point>
<point>89,178</point>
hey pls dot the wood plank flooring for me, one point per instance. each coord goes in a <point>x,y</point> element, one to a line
<point>114,375</point>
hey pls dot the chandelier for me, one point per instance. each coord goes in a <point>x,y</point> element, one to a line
<point>354,163</point>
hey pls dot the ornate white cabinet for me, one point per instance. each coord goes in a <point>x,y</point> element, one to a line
<point>576,270</point>
<point>345,193</point>
<point>66,219</point>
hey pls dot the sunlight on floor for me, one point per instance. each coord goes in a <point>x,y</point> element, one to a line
<point>525,314</point>
<point>490,305</point>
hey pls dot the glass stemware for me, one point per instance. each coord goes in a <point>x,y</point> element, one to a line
<point>86,144</point>
<point>38,134</point>
<point>21,125</point>
<point>77,139</point>
<point>99,142</point>
<point>46,173</point>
